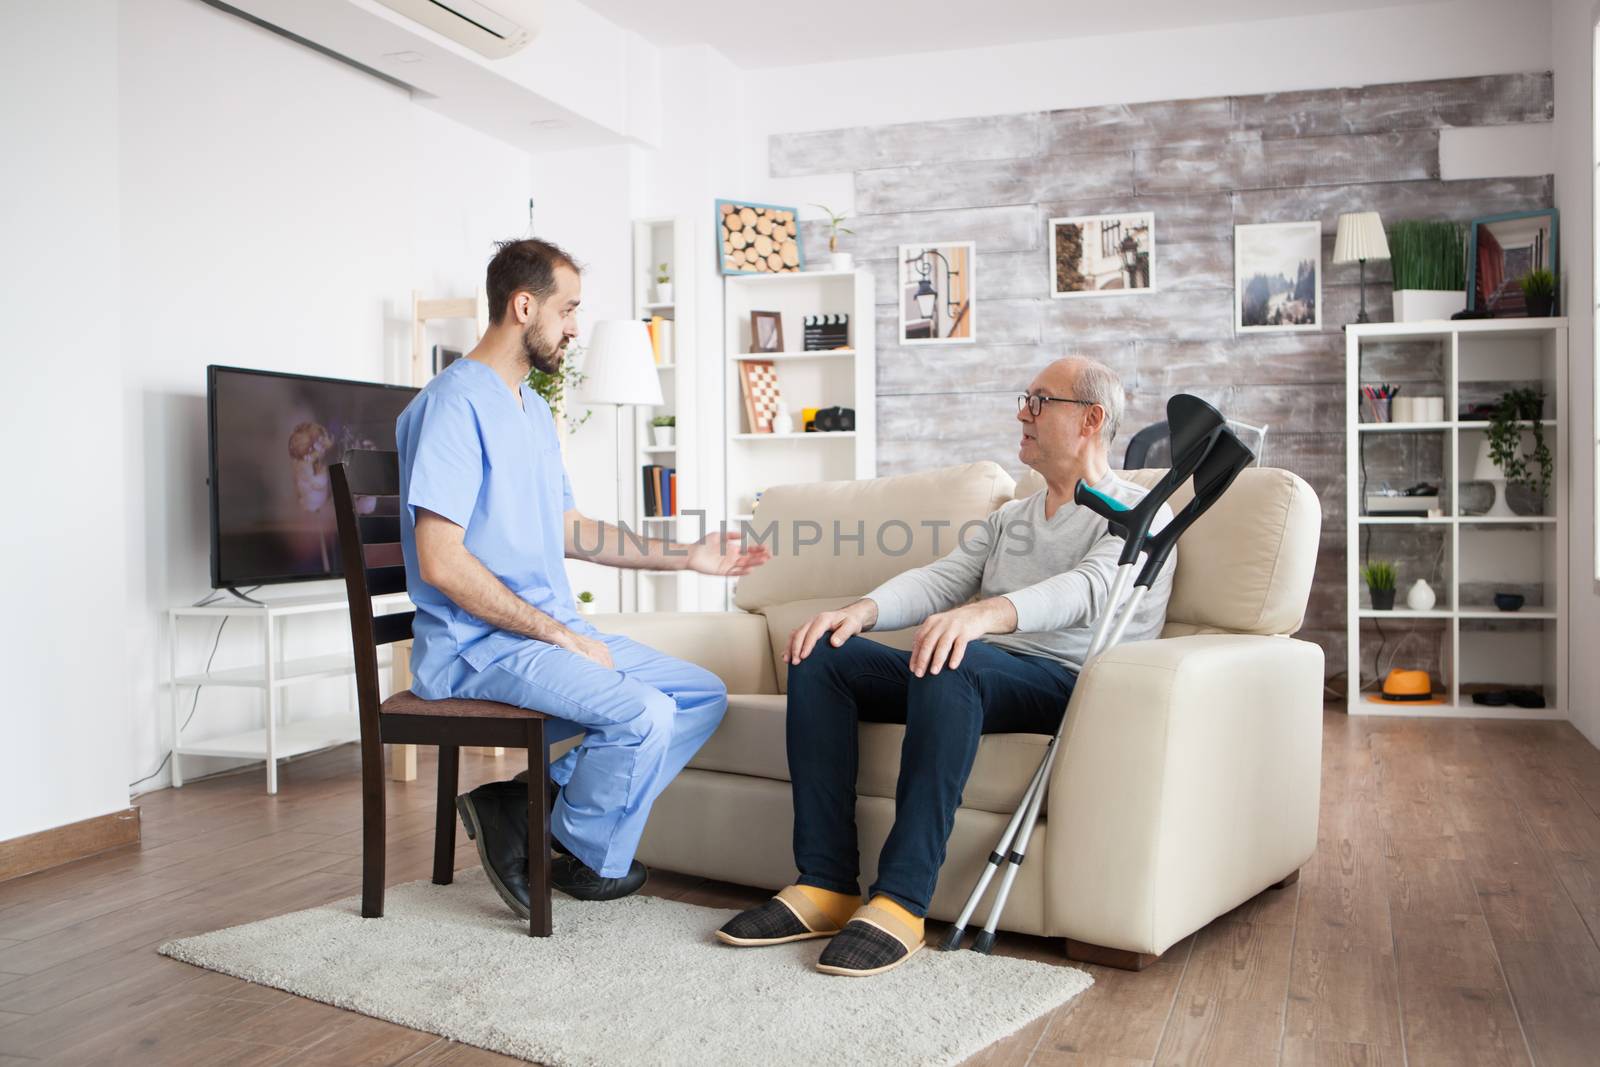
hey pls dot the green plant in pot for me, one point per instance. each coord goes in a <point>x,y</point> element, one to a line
<point>586,603</point>
<point>552,388</point>
<point>1429,260</point>
<point>837,260</point>
<point>1539,293</point>
<point>662,428</point>
<point>1517,423</point>
<point>1379,576</point>
<point>663,283</point>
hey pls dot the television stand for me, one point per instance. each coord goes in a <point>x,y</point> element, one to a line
<point>270,674</point>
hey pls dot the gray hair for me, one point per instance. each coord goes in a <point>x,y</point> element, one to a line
<point>1099,384</point>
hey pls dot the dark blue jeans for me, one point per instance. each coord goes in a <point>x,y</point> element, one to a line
<point>945,715</point>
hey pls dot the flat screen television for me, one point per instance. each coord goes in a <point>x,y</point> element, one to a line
<point>272,438</point>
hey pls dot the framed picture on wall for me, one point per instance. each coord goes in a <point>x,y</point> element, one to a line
<point>758,238</point>
<point>1501,251</point>
<point>938,293</point>
<point>1102,255</point>
<point>1277,277</point>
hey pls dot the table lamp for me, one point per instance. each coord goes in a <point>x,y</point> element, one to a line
<point>620,368</point>
<point>1487,470</point>
<point>1360,238</point>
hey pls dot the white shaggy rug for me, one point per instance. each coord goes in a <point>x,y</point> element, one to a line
<point>635,981</point>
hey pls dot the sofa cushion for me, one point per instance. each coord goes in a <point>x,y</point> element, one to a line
<point>902,522</point>
<point>1246,565</point>
<point>751,742</point>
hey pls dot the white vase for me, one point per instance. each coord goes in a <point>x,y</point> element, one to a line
<point>1427,305</point>
<point>661,436</point>
<point>840,261</point>
<point>783,421</point>
<point>587,608</point>
<point>1420,596</point>
<point>663,292</point>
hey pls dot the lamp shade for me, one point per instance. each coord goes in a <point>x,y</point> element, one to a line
<point>1360,237</point>
<point>620,366</point>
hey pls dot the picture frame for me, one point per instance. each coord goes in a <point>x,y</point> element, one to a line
<point>756,238</point>
<point>1102,255</point>
<point>1522,241</point>
<point>938,293</point>
<point>1277,277</point>
<point>766,331</point>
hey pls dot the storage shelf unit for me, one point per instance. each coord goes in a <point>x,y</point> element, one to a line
<point>274,739</point>
<point>1469,644</point>
<point>669,241</point>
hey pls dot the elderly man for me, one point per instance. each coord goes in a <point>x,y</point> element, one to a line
<point>1005,619</point>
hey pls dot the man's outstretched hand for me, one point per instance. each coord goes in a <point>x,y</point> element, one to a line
<point>725,555</point>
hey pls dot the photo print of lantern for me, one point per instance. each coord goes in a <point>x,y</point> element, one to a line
<point>938,293</point>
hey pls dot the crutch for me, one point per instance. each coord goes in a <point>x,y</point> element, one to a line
<point>1195,426</point>
<point>1216,472</point>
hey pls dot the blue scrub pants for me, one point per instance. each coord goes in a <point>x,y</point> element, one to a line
<point>945,714</point>
<point>644,720</point>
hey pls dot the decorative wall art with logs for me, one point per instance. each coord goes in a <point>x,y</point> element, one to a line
<point>758,238</point>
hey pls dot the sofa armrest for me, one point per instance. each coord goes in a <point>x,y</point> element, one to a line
<point>730,644</point>
<point>1188,781</point>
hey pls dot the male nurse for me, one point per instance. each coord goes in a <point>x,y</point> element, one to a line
<point>488,521</point>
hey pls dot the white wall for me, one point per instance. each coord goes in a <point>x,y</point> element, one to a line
<point>61,560</point>
<point>278,209</point>
<point>1571,34</point>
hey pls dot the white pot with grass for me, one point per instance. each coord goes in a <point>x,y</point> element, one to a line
<point>663,284</point>
<point>1430,269</point>
<point>662,430</point>
<point>586,603</point>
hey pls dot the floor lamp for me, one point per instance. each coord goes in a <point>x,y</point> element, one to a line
<point>620,368</point>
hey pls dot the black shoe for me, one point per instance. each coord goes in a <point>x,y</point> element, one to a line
<point>568,874</point>
<point>496,818</point>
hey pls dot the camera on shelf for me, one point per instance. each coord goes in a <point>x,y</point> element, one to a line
<point>833,419</point>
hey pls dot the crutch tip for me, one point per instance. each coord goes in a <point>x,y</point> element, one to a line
<point>983,942</point>
<point>952,940</point>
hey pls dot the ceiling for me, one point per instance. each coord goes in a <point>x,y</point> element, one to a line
<point>824,30</point>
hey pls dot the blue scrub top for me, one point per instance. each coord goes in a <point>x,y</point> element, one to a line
<point>470,454</point>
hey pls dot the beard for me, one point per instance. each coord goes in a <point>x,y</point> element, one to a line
<point>541,356</point>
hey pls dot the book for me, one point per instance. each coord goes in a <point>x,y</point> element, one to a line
<point>672,491</point>
<point>667,331</point>
<point>652,505</point>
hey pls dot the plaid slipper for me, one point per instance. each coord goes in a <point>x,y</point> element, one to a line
<point>789,916</point>
<point>873,941</point>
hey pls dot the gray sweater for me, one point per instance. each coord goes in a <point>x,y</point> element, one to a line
<point>1057,572</point>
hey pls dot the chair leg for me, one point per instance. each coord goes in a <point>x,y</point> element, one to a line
<point>538,831</point>
<point>444,826</point>
<point>372,828</point>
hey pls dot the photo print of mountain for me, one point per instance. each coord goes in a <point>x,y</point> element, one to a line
<point>1277,276</point>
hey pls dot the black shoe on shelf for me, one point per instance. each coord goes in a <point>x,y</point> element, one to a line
<point>496,817</point>
<point>568,874</point>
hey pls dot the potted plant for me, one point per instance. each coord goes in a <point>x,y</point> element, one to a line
<point>1539,293</point>
<point>1517,423</point>
<point>552,388</point>
<point>837,260</point>
<point>586,604</point>
<point>663,283</point>
<point>661,430</point>
<point>1379,576</point>
<point>1429,259</point>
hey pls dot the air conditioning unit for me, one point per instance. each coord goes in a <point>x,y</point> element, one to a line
<point>493,28</point>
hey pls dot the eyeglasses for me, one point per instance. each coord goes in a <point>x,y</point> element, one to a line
<point>1035,403</point>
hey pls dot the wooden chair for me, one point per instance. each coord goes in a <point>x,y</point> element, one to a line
<point>406,719</point>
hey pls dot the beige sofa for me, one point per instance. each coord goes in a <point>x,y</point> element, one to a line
<point>1189,777</point>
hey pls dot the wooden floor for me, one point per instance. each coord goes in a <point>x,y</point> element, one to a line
<point>1450,916</point>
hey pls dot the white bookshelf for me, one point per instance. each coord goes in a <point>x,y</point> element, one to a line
<point>670,241</point>
<point>846,377</point>
<point>1480,647</point>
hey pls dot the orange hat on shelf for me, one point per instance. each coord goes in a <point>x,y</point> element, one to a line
<point>1406,687</point>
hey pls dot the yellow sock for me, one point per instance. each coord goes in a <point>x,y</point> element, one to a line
<point>836,906</point>
<point>898,911</point>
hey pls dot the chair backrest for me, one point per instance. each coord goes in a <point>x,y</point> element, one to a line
<point>1150,447</point>
<point>366,502</point>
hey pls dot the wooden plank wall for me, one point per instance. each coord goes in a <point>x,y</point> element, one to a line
<point>1201,166</point>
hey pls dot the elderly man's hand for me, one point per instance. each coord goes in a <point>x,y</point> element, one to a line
<point>942,638</point>
<point>843,624</point>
